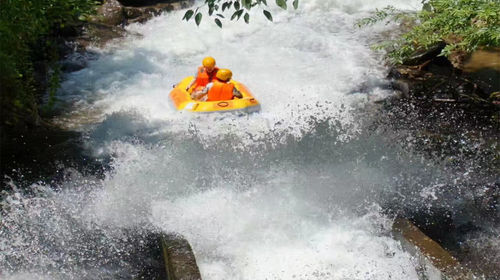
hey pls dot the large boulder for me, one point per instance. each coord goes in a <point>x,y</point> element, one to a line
<point>99,34</point>
<point>112,15</point>
<point>483,67</point>
<point>483,59</point>
<point>122,12</point>
<point>135,13</point>
<point>109,13</point>
<point>142,3</point>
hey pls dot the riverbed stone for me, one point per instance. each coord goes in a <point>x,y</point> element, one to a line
<point>144,13</point>
<point>109,13</point>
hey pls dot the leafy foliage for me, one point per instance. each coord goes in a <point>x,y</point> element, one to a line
<point>27,34</point>
<point>388,13</point>
<point>464,25</point>
<point>238,8</point>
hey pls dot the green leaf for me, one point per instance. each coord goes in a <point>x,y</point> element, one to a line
<point>188,15</point>
<point>247,4</point>
<point>268,15</point>
<point>427,7</point>
<point>217,21</point>
<point>237,5</point>
<point>295,4</point>
<point>197,18</point>
<point>246,18</point>
<point>281,4</point>
<point>237,14</point>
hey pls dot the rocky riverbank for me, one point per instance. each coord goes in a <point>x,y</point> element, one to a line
<point>448,110</point>
<point>454,108</point>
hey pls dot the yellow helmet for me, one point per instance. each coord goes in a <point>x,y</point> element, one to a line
<point>208,62</point>
<point>224,75</point>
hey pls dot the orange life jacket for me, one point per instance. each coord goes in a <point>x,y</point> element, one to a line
<point>203,77</point>
<point>220,91</point>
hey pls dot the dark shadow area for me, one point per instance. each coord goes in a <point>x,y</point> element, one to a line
<point>41,153</point>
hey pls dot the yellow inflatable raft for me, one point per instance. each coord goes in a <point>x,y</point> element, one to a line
<point>183,102</point>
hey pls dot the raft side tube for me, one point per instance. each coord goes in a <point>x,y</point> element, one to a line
<point>182,100</point>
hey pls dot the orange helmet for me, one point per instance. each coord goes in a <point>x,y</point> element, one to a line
<point>224,75</point>
<point>208,62</point>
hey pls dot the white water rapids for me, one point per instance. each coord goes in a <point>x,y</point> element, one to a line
<point>287,193</point>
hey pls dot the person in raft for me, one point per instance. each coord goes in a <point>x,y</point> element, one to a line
<point>206,74</point>
<point>218,90</point>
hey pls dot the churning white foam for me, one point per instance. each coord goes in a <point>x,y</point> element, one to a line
<point>247,216</point>
<point>305,67</point>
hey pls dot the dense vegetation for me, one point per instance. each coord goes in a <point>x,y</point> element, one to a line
<point>464,25</point>
<point>28,31</point>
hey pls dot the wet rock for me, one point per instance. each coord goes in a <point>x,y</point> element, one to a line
<point>483,59</point>
<point>402,86</point>
<point>483,66</point>
<point>108,23</point>
<point>109,13</point>
<point>422,56</point>
<point>141,14</point>
<point>439,80</point>
<point>495,98</point>
<point>133,14</point>
<point>457,58</point>
<point>74,63</point>
<point>99,34</point>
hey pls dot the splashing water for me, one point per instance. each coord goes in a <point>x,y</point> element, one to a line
<point>287,193</point>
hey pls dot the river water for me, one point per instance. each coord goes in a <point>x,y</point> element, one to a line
<point>296,191</point>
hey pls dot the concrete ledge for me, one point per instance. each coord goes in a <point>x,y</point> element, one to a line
<point>434,262</point>
<point>432,258</point>
<point>180,263</point>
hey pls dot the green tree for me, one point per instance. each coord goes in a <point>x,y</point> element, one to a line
<point>28,29</point>
<point>238,8</point>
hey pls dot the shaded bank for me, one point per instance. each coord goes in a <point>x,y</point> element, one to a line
<point>454,112</point>
<point>452,116</point>
<point>29,143</point>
